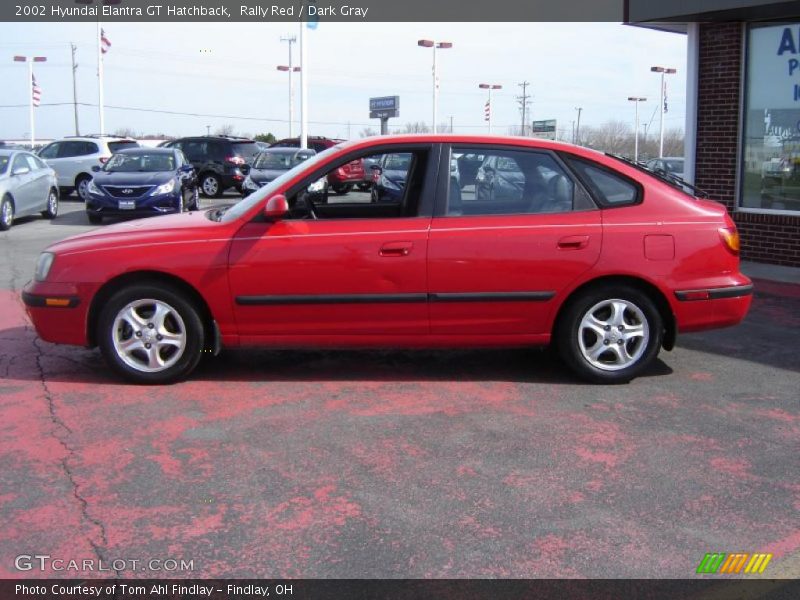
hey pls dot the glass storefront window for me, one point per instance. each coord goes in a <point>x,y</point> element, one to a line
<point>770,169</point>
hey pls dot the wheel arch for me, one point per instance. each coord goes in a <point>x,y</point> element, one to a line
<point>80,176</point>
<point>646,287</point>
<point>156,277</point>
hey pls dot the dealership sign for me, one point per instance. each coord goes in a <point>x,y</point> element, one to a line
<point>544,129</point>
<point>385,107</point>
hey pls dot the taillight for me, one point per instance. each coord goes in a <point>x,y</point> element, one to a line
<point>730,238</point>
<point>104,159</point>
<point>341,172</point>
<point>235,160</point>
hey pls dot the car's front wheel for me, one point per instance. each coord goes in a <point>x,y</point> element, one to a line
<point>610,334</point>
<point>150,334</point>
<point>6,213</point>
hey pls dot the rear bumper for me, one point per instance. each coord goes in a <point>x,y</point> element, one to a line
<point>712,308</point>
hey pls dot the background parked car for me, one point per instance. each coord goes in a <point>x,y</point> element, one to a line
<point>669,165</point>
<point>342,179</point>
<point>270,164</point>
<point>390,177</point>
<point>27,186</point>
<point>218,160</point>
<point>142,182</point>
<point>73,158</point>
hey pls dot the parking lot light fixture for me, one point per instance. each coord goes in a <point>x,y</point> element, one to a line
<point>490,87</point>
<point>636,100</point>
<point>441,46</point>
<point>663,96</point>
<point>29,89</point>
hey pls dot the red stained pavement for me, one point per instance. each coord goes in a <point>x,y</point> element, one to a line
<point>405,464</point>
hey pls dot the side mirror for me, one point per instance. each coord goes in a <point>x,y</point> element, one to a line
<point>96,168</point>
<point>21,171</point>
<point>187,168</point>
<point>245,169</point>
<point>276,208</point>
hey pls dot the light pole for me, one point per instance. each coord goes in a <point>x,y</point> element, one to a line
<point>578,126</point>
<point>636,100</point>
<point>30,89</point>
<point>490,87</point>
<point>291,69</point>
<point>442,46</point>
<point>663,71</point>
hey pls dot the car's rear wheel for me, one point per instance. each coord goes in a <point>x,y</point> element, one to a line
<point>342,188</point>
<point>82,187</point>
<point>211,185</point>
<point>150,334</point>
<point>610,334</point>
<point>364,187</point>
<point>51,212</point>
<point>6,213</point>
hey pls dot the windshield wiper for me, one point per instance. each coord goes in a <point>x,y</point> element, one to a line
<point>672,180</point>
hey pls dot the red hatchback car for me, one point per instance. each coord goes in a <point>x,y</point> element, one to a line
<point>562,245</point>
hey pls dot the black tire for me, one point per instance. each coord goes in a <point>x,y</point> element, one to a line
<point>342,188</point>
<point>609,366</point>
<point>191,327</point>
<point>211,185</point>
<point>81,182</point>
<point>51,212</point>
<point>364,187</point>
<point>6,214</point>
<point>94,219</point>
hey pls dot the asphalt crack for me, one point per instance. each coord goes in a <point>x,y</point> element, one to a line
<point>60,432</point>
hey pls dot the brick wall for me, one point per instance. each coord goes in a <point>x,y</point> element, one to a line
<point>766,238</point>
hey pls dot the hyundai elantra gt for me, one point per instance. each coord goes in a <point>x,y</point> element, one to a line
<point>534,243</point>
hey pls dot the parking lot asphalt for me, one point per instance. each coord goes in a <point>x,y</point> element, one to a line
<point>395,463</point>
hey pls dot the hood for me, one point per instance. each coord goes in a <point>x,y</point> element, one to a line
<point>265,175</point>
<point>177,227</point>
<point>133,179</point>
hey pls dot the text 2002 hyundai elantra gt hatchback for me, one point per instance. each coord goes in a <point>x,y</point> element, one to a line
<point>562,244</point>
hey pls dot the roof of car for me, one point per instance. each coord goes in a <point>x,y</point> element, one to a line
<point>285,150</point>
<point>140,150</point>
<point>7,151</point>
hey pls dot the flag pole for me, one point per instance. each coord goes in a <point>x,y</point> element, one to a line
<point>30,99</point>
<point>100,98</point>
<point>303,88</point>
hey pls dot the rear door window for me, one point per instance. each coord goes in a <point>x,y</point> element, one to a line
<point>50,151</point>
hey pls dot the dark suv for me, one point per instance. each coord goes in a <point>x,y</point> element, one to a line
<point>342,179</point>
<point>218,160</point>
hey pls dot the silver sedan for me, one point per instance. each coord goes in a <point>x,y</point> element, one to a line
<point>27,186</point>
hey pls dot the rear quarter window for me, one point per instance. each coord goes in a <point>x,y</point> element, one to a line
<point>609,188</point>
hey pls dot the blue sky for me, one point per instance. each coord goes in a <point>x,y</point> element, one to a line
<point>229,69</point>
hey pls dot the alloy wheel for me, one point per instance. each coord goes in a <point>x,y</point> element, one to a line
<point>149,335</point>
<point>613,334</point>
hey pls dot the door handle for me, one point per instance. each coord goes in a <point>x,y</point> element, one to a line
<point>396,249</point>
<point>573,242</point>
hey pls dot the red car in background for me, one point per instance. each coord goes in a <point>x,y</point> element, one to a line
<point>563,245</point>
<point>342,179</point>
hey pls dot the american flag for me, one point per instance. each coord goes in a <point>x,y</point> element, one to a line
<point>487,111</point>
<point>36,91</point>
<point>105,43</point>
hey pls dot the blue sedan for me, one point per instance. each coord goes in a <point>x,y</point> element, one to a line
<point>142,182</point>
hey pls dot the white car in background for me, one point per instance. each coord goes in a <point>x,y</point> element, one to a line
<point>27,186</point>
<point>73,158</point>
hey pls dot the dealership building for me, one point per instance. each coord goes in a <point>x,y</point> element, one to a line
<point>742,113</point>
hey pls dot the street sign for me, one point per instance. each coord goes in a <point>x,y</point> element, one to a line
<point>385,107</point>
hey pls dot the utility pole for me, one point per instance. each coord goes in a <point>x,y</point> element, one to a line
<point>74,88</point>
<point>636,100</point>
<point>524,101</point>
<point>578,126</point>
<point>573,131</point>
<point>663,108</point>
<point>451,123</point>
<point>290,68</point>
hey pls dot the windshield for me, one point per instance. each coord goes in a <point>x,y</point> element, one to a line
<point>140,163</point>
<point>244,206</point>
<point>274,161</point>
<point>398,162</point>
<point>121,145</point>
<point>673,180</point>
<point>674,166</point>
<point>3,164</point>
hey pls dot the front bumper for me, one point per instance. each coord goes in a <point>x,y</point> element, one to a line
<point>144,206</point>
<point>59,311</point>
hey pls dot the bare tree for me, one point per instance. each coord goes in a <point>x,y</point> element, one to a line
<point>613,136</point>
<point>417,127</point>
<point>367,132</point>
<point>125,132</point>
<point>224,130</point>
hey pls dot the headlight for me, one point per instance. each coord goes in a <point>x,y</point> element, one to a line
<point>165,188</point>
<point>249,183</point>
<point>92,188</point>
<point>43,264</point>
